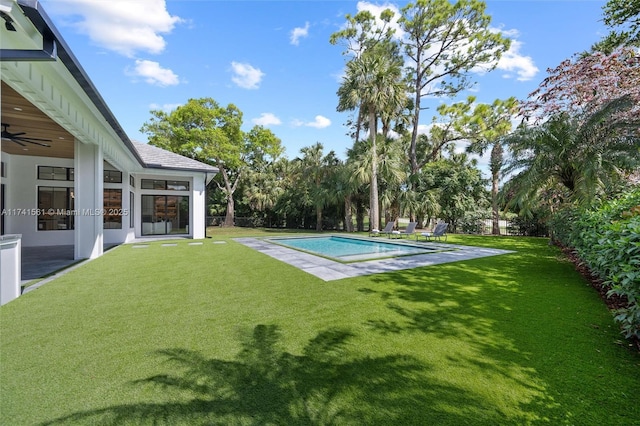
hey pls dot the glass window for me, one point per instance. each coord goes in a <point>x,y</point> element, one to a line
<point>55,173</point>
<point>112,218</point>
<point>171,185</point>
<point>154,184</point>
<point>178,185</point>
<point>112,176</point>
<point>55,205</point>
<point>165,214</point>
<point>131,200</point>
<point>132,181</point>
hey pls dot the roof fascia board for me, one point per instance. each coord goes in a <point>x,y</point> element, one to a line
<point>49,52</point>
<point>182,169</point>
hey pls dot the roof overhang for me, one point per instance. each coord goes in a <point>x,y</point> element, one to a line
<point>55,48</point>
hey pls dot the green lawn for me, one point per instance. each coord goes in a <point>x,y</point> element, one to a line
<point>222,334</point>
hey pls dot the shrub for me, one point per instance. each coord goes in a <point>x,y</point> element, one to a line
<point>607,240</point>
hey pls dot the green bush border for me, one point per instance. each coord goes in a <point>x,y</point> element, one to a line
<point>607,240</point>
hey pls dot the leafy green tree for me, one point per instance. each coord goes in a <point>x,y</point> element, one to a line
<point>344,185</point>
<point>263,187</point>
<point>486,128</point>
<point>293,206</point>
<point>315,171</point>
<point>457,186</point>
<point>205,131</point>
<point>443,42</point>
<point>623,17</point>
<point>359,161</point>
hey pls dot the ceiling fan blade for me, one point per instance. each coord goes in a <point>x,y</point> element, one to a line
<point>31,139</point>
<point>17,141</point>
<point>22,140</point>
<point>37,143</point>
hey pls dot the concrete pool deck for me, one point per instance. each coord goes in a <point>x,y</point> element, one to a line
<point>329,270</point>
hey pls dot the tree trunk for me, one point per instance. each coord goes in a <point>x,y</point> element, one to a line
<point>374,216</point>
<point>318,218</point>
<point>348,220</point>
<point>413,148</point>
<point>229,190</point>
<point>496,165</point>
<point>359,215</point>
<point>495,229</point>
<point>228,219</point>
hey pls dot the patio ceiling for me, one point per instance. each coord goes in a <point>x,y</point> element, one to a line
<point>22,116</point>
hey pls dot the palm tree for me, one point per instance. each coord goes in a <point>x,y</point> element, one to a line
<point>582,155</point>
<point>315,168</point>
<point>486,129</point>
<point>373,85</point>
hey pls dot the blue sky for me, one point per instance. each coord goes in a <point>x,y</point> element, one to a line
<point>273,59</point>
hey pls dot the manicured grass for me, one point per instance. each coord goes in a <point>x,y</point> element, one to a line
<point>222,334</point>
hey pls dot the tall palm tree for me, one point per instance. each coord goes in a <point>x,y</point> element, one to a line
<point>486,128</point>
<point>373,85</point>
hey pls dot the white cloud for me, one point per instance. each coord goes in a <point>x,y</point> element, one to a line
<point>164,107</point>
<point>123,26</point>
<point>154,74</point>
<point>298,33</point>
<point>246,76</point>
<point>339,76</point>
<point>320,122</point>
<point>377,9</point>
<point>513,61</point>
<point>424,129</point>
<point>267,119</point>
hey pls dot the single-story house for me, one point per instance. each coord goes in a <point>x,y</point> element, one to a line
<point>70,174</point>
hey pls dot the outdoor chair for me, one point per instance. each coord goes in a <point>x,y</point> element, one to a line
<point>438,232</point>
<point>387,230</point>
<point>411,229</point>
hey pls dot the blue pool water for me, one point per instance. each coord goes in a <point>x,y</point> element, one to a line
<point>344,248</point>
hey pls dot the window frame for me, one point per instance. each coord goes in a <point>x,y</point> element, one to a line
<point>108,175</point>
<point>69,173</point>
<point>44,217</point>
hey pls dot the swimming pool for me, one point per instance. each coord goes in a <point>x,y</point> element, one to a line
<point>348,249</point>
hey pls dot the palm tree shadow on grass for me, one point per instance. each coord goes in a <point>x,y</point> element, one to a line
<point>266,385</point>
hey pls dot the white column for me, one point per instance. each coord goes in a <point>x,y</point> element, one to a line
<point>88,164</point>
<point>197,213</point>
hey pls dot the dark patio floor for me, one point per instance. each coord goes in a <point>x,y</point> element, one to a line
<point>38,262</point>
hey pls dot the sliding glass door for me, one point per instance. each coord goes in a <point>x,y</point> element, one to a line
<point>165,214</point>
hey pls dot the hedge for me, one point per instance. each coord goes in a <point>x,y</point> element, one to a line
<point>607,240</point>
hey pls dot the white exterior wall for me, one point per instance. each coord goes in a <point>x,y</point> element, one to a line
<point>196,196</point>
<point>21,186</point>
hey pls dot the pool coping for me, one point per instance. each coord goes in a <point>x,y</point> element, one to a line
<point>330,270</point>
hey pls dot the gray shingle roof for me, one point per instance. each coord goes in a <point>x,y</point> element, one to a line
<point>158,158</point>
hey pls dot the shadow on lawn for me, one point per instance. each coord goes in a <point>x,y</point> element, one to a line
<point>476,306</point>
<point>266,385</point>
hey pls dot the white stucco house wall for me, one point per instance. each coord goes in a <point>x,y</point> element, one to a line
<point>90,185</point>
